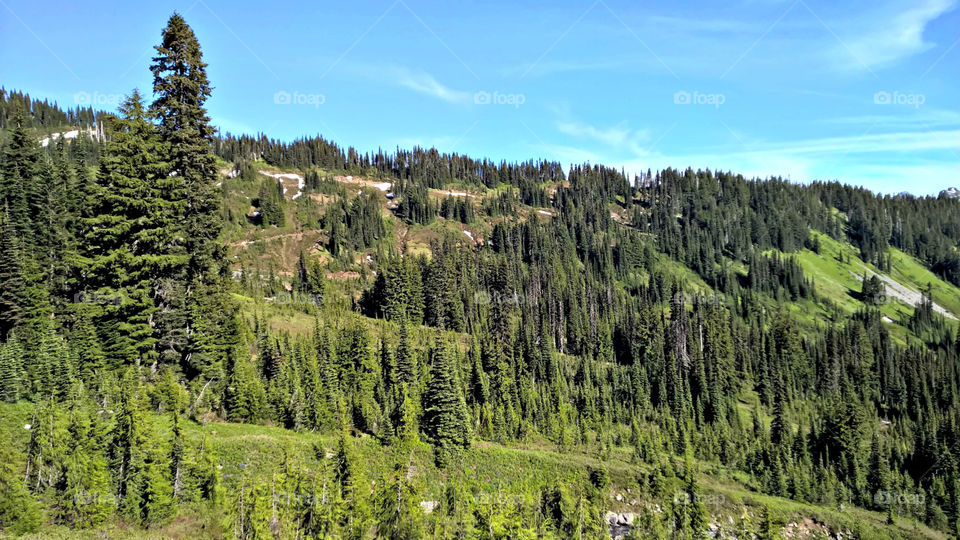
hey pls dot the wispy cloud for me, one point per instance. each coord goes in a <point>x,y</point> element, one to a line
<point>619,137</point>
<point>925,119</point>
<point>916,141</point>
<point>426,84</point>
<point>893,36</point>
<point>418,81</point>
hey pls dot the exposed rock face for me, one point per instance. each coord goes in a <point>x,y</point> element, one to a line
<point>620,524</point>
<point>951,193</point>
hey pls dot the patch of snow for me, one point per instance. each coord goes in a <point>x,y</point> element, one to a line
<point>887,319</point>
<point>469,234</point>
<point>301,181</point>
<point>381,186</point>
<point>545,212</point>
<point>73,134</point>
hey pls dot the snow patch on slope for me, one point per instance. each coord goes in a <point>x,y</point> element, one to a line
<point>68,135</point>
<point>301,181</point>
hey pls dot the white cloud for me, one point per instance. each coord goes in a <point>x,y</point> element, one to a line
<point>418,81</point>
<point>925,119</point>
<point>619,137</point>
<point>424,83</point>
<point>891,37</point>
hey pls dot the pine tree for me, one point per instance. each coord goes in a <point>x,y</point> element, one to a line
<point>20,512</point>
<point>192,301</point>
<point>404,359</point>
<point>12,374</point>
<point>158,497</point>
<point>84,489</point>
<point>406,419</point>
<point>18,172</point>
<point>181,88</point>
<point>767,529</point>
<point>128,442</point>
<point>127,235</point>
<point>445,421</point>
<point>13,299</point>
<point>86,347</point>
<point>397,506</point>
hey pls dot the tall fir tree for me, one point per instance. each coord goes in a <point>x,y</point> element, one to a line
<point>192,305</point>
<point>128,235</point>
<point>13,294</point>
<point>181,88</point>
<point>445,420</point>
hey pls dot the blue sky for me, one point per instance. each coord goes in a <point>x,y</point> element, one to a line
<point>866,92</point>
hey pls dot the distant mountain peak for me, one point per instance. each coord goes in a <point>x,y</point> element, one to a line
<point>951,192</point>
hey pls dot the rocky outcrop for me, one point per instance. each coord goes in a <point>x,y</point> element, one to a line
<point>620,525</point>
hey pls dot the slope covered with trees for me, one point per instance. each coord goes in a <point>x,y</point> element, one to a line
<point>427,344</point>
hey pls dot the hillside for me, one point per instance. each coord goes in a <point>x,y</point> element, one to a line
<point>204,335</point>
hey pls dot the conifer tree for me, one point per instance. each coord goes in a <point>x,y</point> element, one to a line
<point>20,512</point>
<point>158,497</point>
<point>12,373</point>
<point>444,419</point>
<point>397,506</point>
<point>128,234</point>
<point>19,171</point>
<point>181,88</point>
<point>404,359</point>
<point>127,446</point>
<point>84,489</point>
<point>13,298</point>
